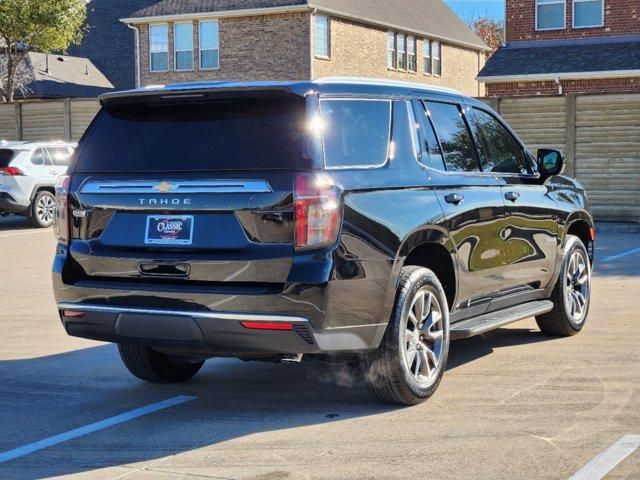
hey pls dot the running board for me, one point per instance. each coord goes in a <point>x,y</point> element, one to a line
<point>490,321</point>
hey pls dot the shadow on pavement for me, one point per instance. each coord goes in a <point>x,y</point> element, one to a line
<point>15,223</point>
<point>46,396</point>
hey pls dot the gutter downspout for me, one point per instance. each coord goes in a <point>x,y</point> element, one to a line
<point>559,83</point>
<point>137,43</point>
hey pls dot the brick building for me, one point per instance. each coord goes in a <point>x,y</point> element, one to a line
<point>567,46</point>
<point>410,40</point>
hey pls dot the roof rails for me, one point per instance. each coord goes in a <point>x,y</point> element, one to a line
<point>388,83</point>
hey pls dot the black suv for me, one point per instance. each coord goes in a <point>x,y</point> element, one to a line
<point>341,219</point>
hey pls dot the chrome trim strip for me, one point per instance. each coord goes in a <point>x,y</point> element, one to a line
<point>177,187</point>
<point>238,317</point>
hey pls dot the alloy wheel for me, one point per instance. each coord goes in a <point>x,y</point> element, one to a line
<point>424,337</point>
<point>45,209</point>
<point>577,286</point>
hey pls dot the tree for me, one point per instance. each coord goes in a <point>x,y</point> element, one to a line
<point>22,79</point>
<point>489,30</point>
<point>36,25</point>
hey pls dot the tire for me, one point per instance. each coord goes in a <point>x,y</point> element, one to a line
<point>155,367</point>
<point>397,373</point>
<point>42,210</point>
<point>572,294</point>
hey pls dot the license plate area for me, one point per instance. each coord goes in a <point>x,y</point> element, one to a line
<point>169,230</point>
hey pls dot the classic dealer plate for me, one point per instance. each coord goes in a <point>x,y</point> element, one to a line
<point>169,230</point>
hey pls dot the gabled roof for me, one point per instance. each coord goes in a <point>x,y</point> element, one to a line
<point>569,59</point>
<point>432,18</point>
<point>61,76</point>
<point>108,43</point>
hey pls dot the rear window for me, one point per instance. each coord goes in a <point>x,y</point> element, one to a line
<point>233,134</point>
<point>6,155</point>
<point>356,132</point>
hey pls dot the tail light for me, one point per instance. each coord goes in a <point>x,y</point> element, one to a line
<point>317,207</point>
<point>11,172</point>
<point>61,225</point>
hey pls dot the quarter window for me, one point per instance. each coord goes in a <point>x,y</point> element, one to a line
<point>391,50</point>
<point>437,58</point>
<point>183,34</point>
<point>428,66</point>
<point>502,152</point>
<point>411,54</point>
<point>588,13</point>
<point>455,138</point>
<point>550,14</point>
<point>209,45</point>
<point>159,47</point>
<point>323,36</point>
<point>356,133</point>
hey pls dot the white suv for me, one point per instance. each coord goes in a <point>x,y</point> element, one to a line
<point>28,174</point>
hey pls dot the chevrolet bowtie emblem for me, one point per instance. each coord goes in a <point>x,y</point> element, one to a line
<point>164,187</point>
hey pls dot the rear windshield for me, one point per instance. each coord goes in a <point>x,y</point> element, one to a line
<point>6,155</point>
<point>233,134</point>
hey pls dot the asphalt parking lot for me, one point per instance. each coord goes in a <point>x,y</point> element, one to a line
<point>513,404</point>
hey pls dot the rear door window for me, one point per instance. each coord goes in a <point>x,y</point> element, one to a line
<point>60,156</point>
<point>455,138</point>
<point>256,133</point>
<point>356,133</point>
<point>431,151</point>
<point>40,158</point>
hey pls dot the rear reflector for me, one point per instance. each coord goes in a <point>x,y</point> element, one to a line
<point>267,326</point>
<point>72,314</point>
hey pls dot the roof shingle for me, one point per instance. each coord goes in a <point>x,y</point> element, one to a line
<point>577,57</point>
<point>429,17</point>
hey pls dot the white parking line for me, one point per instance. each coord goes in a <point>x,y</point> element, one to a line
<point>94,427</point>
<point>613,258</point>
<point>607,460</point>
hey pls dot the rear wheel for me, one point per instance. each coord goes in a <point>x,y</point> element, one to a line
<point>571,295</point>
<point>151,366</point>
<point>408,366</point>
<point>43,209</point>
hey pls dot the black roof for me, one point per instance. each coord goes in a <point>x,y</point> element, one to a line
<point>429,17</point>
<point>577,56</point>
<point>109,43</point>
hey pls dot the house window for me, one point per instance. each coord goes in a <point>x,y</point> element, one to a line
<point>411,54</point>
<point>183,45</point>
<point>428,66</point>
<point>550,14</point>
<point>588,13</point>
<point>402,52</point>
<point>159,47</point>
<point>323,36</point>
<point>209,45</point>
<point>391,50</point>
<point>436,49</point>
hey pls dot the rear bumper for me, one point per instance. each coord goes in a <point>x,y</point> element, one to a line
<point>213,333</point>
<point>8,204</point>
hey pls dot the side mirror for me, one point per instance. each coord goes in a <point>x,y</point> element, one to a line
<point>550,162</point>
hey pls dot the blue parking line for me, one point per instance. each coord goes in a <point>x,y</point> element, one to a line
<point>613,258</point>
<point>94,427</point>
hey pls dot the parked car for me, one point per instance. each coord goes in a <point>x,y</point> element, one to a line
<point>352,219</point>
<point>28,175</point>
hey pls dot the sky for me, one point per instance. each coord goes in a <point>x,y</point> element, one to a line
<point>470,10</point>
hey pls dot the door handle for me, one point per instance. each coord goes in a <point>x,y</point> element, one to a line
<point>454,199</point>
<point>512,196</point>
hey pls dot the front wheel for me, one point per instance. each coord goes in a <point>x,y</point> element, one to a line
<point>152,366</point>
<point>408,366</point>
<point>572,294</point>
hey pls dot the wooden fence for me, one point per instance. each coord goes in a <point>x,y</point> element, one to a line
<point>46,120</point>
<point>600,135</point>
